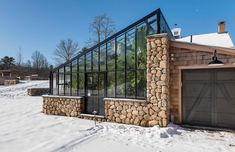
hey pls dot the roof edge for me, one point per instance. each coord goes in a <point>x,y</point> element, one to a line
<point>201,47</point>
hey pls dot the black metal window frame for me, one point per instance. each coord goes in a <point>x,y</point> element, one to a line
<point>154,18</point>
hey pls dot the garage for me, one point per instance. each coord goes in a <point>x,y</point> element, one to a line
<point>208,97</point>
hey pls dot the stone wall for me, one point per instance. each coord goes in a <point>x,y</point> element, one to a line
<point>37,91</point>
<point>127,111</point>
<point>187,57</point>
<point>155,110</point>
<point>11,82</point>
<point>63,105</point>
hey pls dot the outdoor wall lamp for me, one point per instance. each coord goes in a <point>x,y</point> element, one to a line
<point>215,61</point>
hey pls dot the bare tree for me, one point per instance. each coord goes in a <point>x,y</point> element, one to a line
<point>101,28</point>
<point>39,60</point>
<point>28,64</point>
<point>65,50</point>
<point>19,57</point>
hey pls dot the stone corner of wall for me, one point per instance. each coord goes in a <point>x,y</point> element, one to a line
<point>158,79</point>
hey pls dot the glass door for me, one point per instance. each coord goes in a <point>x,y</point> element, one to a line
<point>95,92</point>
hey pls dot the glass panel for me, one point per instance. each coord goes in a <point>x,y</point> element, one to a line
<point>141,83</point>
<point>111,84</point>
<point>152,24</point>
<point>61,89</point>
<point>130,84</point>
<point>67,68</point>
<point>88,62</point>
<point>141,48</point>
<point>61,70</point>
<point>121,52</point>
<point>61,78</point>
<point>81,64</point>
<point>130,52</point>
<point>74,84</point>
<point>120,84</point>
<point>164,28</point>
<point>95,85</point>
<point>95,60</point>
<point>74,66</point>
<point>152,28</point>
<point>81,84</point>
<point>55,86</point>
<point>111,55</point>
<point>89,85</point>
<point>103,58</point>
<point>67,85</point>
<point>101,85</point>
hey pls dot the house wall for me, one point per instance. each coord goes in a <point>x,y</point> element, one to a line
<point>191,58</point>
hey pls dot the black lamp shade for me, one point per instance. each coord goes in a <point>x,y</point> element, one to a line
<point>215,61</point>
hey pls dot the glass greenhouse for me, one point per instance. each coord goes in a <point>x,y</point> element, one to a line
<point>114,68</point>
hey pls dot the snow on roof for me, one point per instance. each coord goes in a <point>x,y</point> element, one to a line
<point>213,39</point>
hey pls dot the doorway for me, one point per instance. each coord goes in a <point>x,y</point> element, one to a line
<point>95,92</point>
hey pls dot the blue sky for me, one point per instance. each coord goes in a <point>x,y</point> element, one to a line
<point>40,25</point>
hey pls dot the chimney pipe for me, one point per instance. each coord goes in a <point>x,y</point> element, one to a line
<point>191,38</point>
<point>221,27</point>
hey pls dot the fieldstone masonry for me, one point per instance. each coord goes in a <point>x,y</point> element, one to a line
<point>62,105</point>
<point>154,111</point>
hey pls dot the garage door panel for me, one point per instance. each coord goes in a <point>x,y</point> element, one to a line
<point>225,75</point>
<point>204,105</point>
<point>198,75</point>
<point>194,89</point>
<point>225,89</point>
<point>213,105</point>
<point>202,118</point>
<point>225,106</point>
<point>225,120</point>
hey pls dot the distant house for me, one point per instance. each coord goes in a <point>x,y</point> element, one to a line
<point>145,75</point>
<point>220,38</point>
<point>5,73</point>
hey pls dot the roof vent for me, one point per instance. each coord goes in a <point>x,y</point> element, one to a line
<point>176,32</point>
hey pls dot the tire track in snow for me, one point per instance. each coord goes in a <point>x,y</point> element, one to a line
<point>89,135</point>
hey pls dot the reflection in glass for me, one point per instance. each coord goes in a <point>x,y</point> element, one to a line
<point>111,55</point>
<point>103,58</point>
<point>130,84</point>
<point>121,52</point>
<point>95,59</point>
<point>111,84</point>
<point>88,62</point>
<point>130,52</point>
<point>120,84</point>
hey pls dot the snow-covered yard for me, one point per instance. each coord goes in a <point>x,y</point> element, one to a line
<point>23,128</point>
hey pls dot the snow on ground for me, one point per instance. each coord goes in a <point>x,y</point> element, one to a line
<point>23,128</point>
<point>20,89</point>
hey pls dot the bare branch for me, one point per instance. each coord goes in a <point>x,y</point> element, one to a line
<point>101,28</point>
<point>65,50</point>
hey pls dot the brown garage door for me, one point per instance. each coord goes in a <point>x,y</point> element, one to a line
<point>209,97</point>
